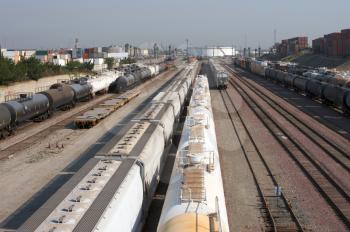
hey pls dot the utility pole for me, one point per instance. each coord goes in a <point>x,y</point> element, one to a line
<point>187,48</point>
<point>274,37</point>
<point>76,43</point>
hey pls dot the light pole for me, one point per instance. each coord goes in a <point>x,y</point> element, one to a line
<point>187,48</point>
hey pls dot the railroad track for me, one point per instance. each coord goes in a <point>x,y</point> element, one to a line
<point>276,211</point>
<point>333,149</point>
<point>330,187</point>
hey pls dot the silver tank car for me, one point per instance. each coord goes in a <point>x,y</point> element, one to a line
<point>137,76</point>
<point>81,91</point>
<point>145,73</point>
<point>123,83</point>
<point>60,96</point>
<point>36,106</point>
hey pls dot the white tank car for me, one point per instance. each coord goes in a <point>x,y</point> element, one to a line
<point>102,82</point>
<point>258,67</point>
<point>113,190</point>
<point>195,198</point>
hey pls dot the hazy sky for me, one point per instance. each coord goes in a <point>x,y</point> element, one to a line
<point>48,23</point>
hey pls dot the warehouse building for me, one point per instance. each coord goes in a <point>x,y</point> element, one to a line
<point>292,46</point>
<point>335,44</point>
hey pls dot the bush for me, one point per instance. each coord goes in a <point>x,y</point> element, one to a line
<point>33,69</point>
<point>128,61</point>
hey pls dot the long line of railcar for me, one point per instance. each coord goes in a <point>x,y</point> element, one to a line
<point>195,198</point>
<point>63,96</point>
<point>113,190</point>
<point>330,93</point>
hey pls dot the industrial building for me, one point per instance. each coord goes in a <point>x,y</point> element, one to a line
<point>292,46</point>
<point>335,44</point>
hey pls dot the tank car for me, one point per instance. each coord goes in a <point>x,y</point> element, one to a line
<point>300,84</point>
<point>258,67</point>
<point>271,73</point>
<point>281,76</point>
<point>61,96</point>
<point>101,84</point>
<point>137,76</point>
<point>337,96</point>
<point>162,67</point>
<point>82,91</point>
<point>32,107</point>
<point>5,121</point>
<point>289,80</point>
<point>314,89</point>
<point>123,83</point>
<point>145,73</point>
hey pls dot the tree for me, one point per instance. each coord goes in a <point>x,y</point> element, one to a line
<point>6,67</point>
<point>20,71</point>
<point>110,62</point>
<point>128,61</point>
<point>74,66</point>
<point>88,66</point>
<point>34,68</point>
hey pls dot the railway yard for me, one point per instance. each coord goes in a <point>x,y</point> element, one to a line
<point>148,156</point>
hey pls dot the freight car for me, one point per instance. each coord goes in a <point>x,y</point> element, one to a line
<point>61,96</point>
<point>330,90</point>
<point>113,190</point>
<point>338,97</point>
<point>64,96</point>
<point>135,77</point>
<point>101,83</point>
<point>219,73</point>
<point>195,198</point>
<point>5,121</point>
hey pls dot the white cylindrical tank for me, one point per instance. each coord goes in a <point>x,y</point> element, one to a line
<point>103,81</point>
